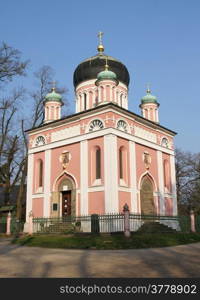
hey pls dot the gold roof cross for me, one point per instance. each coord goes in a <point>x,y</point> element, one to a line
<point>100,47</point>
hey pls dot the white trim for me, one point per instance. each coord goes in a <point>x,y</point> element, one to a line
<point>161,182</point>
<point>38,196</point>
<point>122,119</point>
<point>96,189</point>
<point>29,186</point>
<point>84,177</point>
<point>133,177</point>
<point>93,119</point>
<point>151,176</point>
<point>111,174</point>
<point>97,182</point>
<point>47,184</point>
<point>98,133</point>
<point>173,182</point>
<point>125,189</point>
<point>60,175</point>
<point>80,118</point>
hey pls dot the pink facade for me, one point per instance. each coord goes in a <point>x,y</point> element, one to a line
<point>96,203</point>
<point>102,157</point>
<point>38,207</point>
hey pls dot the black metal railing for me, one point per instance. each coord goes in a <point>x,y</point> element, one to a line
<point>113,222</point>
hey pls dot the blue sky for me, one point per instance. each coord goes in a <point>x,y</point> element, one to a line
<point>157,40</point>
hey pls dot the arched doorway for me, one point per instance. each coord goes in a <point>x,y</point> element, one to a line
<point>64,197</point>
<point>146,196</point>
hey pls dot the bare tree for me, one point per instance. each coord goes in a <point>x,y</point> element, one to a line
<point>9,142</point>
<point>44,78</point>
<point>188,180</point>
<point>10,63</point>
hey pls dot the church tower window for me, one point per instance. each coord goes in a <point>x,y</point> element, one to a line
<point>166,175</point>
<point>120,163</point>
<point>98,163</point>
<point>85,101</point>
<point>40,173</point>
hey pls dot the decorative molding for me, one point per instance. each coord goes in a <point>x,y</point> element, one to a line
<point>96,189</point>
<point>65,133</point>
<point>103,132</point>
<point>145,134</point>
<point>37,196</point>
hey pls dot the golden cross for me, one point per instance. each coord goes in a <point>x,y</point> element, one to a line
<point>100,35</point>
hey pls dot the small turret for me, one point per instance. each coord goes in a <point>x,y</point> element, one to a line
<point>106,83</point>
<point>52,104</point>
<point>149,107</point>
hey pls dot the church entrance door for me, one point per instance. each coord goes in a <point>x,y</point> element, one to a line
<point>146,196</point>
<point>66,203</point>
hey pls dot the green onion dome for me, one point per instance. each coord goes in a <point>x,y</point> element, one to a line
<point>106,75</point>
<point>53,96</point>
<point>149,98</point>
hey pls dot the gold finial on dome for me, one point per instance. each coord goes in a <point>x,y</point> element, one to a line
<point>100,47</point>
<point>106,65</point>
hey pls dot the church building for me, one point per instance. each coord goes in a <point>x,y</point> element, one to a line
<point>104,155</point>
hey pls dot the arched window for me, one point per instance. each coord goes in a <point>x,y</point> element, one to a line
<point>120,163</point>
<point>98,163</point>
<point>123,176</point>
<point>121,100</point>
<point>166,174</point>
<point>40,173</point>
<point>85,101</point>
<point>102,94</point>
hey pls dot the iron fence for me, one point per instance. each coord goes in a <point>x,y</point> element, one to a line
<point>16,226</point>
<point>197,223</point>
<point>3,224</point>
<point>107,223</point>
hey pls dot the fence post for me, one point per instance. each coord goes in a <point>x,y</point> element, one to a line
<point>30,231</point>
<point>8,223</point>
<point>127,232</point>
<point>192,221</point>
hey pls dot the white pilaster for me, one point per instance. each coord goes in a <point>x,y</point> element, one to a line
<point>173,182</point>
<point>82,102</point>
<point>157,116</point>
<point>148,114</point>
<point>47,183</point>
<point>29,186</point>
<point>111,174</point>
<point>161,182</point>
<point>93,98</point>
<point>133,182</point>
<point>84,178</point>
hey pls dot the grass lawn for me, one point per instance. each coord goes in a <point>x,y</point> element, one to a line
<point>106,241</point>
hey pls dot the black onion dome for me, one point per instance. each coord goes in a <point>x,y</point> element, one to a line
<point>89,68</point>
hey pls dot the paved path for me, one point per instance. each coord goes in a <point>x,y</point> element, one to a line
<point>179,261</point>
